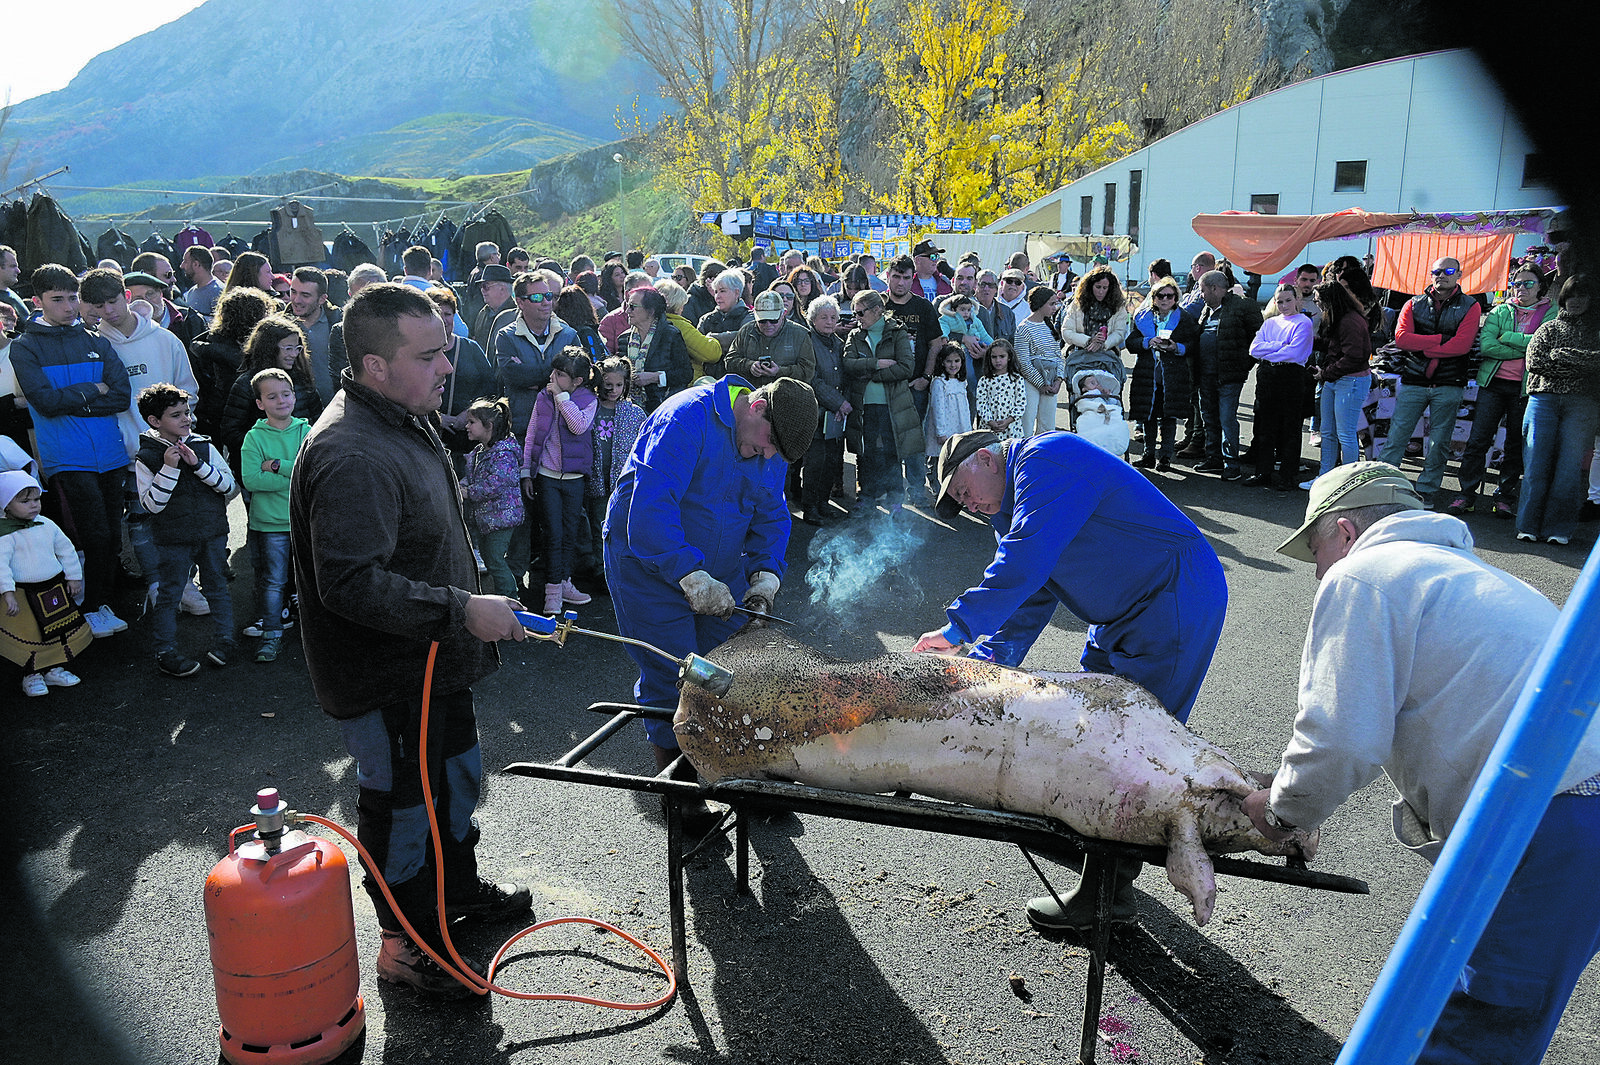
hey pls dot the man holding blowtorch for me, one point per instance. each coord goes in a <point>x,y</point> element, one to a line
<point>698,523</point>
<point>385,571</point>
<point>1081,528</point>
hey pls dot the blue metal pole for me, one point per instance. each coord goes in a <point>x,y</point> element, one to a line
<point>1507,802</point>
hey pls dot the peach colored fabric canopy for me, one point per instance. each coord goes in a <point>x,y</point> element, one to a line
<point>1269,243</point>
<point>1408,243</point>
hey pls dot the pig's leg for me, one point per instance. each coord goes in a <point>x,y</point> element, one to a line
<point>1189,866</point>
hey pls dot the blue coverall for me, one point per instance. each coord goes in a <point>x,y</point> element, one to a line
<point>1082,528</point>
<point>687,501</point>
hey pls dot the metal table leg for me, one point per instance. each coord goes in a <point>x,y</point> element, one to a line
<point>741,840</point>
<point>1099,949</point>
<point>680,946</point>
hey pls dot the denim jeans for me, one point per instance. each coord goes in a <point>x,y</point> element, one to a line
<point>141,535</point>
<point>1499,399</point>
<point>1341,418</point>
<point>1557,429</point>
<point>269,556</point>
<point>1228,418</point>
<point>1207,389</point>
<point>176,562</point>
<point>492,545</point>
<point>881,475</point>
<point>563,511</point>
<point>1508,998</point>
<point>1442,402</point>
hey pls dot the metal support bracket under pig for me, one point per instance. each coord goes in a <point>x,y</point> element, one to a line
<point>1028,832</point>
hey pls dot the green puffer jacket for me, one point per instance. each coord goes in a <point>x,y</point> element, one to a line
<point>861,366</point>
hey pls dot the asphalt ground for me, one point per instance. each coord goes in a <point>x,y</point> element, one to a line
<point>858,944</point>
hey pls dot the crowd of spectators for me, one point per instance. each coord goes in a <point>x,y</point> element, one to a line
<point>555,367</point>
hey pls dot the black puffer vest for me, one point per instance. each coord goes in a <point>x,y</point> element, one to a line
<point>195,513</point>
<point>1427,320</point>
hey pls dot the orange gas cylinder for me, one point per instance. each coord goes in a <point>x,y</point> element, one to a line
<point>283,947</point>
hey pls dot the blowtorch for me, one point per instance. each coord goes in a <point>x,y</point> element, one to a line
<point>692,669</point>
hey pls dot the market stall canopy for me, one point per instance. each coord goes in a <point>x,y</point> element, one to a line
<point>1266,244</point>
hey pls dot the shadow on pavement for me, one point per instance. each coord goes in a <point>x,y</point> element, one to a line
<point>1209,997</point>
<point>792,983</point>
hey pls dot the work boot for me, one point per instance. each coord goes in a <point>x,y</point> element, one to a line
<point>488,901</point>
<point>400,961</point>
<point>1077,912</point>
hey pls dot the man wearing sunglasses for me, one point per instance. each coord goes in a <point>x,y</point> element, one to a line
<point>1441,326</point>
<point>523,350</point>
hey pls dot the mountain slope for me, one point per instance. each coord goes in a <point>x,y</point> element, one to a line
<point>237,85</point>
<point>439,145</point>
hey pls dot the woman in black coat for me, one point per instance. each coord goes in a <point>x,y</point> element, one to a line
<point>653,346</point>
<point>1163,340</point>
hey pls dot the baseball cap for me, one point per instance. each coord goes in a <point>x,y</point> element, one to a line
<point>1013,275</point>
<point>768,306</point>
<point>1348,487</point>
<point>956,450</point>
<point>926,247</point>
<point>792,410</point>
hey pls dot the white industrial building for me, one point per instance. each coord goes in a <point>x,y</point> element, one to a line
<point>1430,133</point>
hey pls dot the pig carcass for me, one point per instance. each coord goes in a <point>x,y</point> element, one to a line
<point>1093,751</point>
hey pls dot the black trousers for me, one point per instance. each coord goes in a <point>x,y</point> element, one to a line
<point>1280,396</point>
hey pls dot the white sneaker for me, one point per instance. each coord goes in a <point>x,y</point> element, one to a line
<point>100,625</point>
<point>59,678</point>
<point>116,623</point>
<point>33,685</point>
<point>192,602</point>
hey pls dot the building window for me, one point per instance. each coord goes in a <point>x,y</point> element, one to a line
<point>1264,204</point>
<point>1111,208</point>
<point>1135,185</point>
<point>1086,215</point>
<point>1536,172</point>
<point>1350,175</point>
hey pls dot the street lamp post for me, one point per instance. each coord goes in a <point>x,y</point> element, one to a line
<point>622,208</point>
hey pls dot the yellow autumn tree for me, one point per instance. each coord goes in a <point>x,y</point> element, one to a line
<point>978,132</point>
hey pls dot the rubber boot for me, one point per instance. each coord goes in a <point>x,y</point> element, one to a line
<point>1078,905</point>
<point>552,599</point>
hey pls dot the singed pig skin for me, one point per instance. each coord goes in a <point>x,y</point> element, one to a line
<point>1093,751</point>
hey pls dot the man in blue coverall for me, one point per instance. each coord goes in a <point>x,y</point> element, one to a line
<point>1081,528</point>
<point>698,523</point>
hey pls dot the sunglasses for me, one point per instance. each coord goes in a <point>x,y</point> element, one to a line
<point>1444,271</point>
<point>987,284</point>
<point>1524,284</point>
<point>1168,295</point>
<point>539,297</point>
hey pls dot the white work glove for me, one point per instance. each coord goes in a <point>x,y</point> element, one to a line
<point>707,595</point>
<point>763,592</point>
